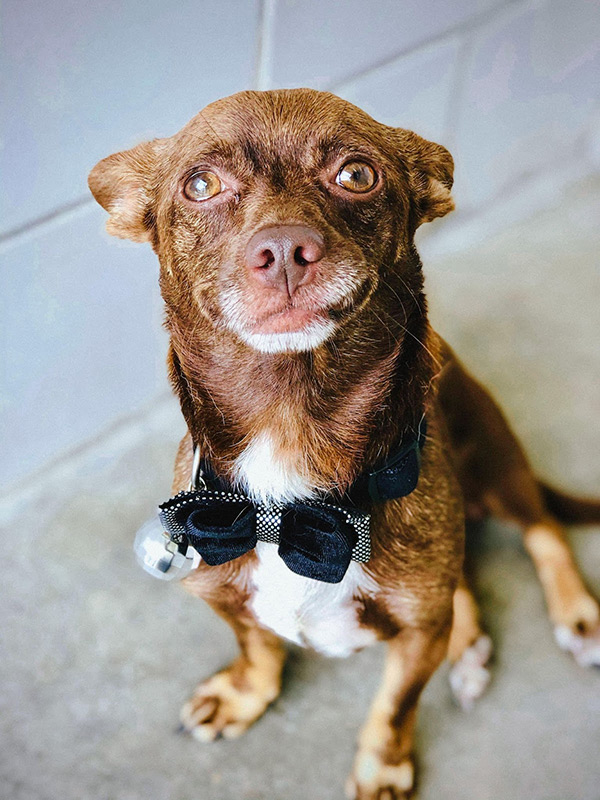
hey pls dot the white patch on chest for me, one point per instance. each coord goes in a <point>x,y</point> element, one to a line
<point>267,479</point>
<point>305,611</point>
<point>309,612</point>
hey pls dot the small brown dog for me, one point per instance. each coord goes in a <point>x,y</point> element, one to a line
<point>304,361</point>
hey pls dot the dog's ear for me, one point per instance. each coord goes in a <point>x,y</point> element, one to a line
<point>123,185</point>
<point>431,169</point>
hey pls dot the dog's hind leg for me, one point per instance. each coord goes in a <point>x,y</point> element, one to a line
<point>496,478</point>
<point>574,612</point>
<point>469,650</point>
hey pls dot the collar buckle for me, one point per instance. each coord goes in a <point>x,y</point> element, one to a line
<point>197,481</point>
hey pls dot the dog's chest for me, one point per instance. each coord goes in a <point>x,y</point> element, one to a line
<point>311,613</point>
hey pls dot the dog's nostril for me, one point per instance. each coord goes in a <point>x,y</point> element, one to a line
<point>299,258</point>
<point>310,250</point>
<point>266,258</point>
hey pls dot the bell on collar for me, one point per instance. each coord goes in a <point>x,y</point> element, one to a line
<point>160,556</point>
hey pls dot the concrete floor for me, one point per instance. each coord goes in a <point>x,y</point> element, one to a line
<point>97,657</point>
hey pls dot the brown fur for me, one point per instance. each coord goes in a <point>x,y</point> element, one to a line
<point>337,409</point>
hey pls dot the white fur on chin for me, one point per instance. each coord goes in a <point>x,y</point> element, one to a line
<point>308,338</point>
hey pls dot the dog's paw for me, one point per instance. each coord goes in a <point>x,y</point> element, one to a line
<point>222,707</point>
<point>371,779</point>
<point>585,647</point>
<point>470,676</point>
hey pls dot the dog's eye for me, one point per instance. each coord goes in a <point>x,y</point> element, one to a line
<point>202,186</point>
<point>356,177</point>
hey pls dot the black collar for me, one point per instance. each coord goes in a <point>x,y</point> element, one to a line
<point>395,477</point>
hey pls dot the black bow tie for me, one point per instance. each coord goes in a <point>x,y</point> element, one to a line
<point>316,539</point>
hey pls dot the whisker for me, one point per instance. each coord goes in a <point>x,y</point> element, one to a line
<point>412,294</point>
<point>411,334</point>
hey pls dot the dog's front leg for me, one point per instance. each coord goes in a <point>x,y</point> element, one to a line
<point>231,700</point>
<point>383,768</point>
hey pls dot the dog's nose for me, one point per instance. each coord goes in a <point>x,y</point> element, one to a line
<point>284,256</point>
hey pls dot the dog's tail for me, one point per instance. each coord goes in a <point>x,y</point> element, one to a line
<point>569,509</point>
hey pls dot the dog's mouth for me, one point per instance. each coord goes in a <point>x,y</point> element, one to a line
<point>287,330</point>
<point>302,322</point>
<point>289,320</point>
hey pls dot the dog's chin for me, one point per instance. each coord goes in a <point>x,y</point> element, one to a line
<point>308,338</point>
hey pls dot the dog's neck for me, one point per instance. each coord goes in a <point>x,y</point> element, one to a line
<point>332,412</point>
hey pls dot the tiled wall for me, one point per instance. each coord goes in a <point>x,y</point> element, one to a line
<point>510,87</point>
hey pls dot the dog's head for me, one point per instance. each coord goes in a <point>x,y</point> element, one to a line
<point>276,215</point>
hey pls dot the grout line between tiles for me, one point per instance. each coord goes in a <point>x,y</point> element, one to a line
<point>41,224</point>
<point>467,26</point>
<point>111,441</point>
<point>531,194</point>
<point>457,93</point>
<point>263,77</point>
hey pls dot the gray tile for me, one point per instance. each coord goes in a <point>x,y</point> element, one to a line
<point>81,337</point>
<point>82,80</point>
<point>319,44</point>
<point>531,86</point>
<point>413,92</point>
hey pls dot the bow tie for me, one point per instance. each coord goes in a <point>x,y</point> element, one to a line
<point>316,538</point>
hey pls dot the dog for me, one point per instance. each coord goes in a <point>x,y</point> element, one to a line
<point>302,355</point>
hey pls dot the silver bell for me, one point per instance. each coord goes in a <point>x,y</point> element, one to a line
<point>160,556</point>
